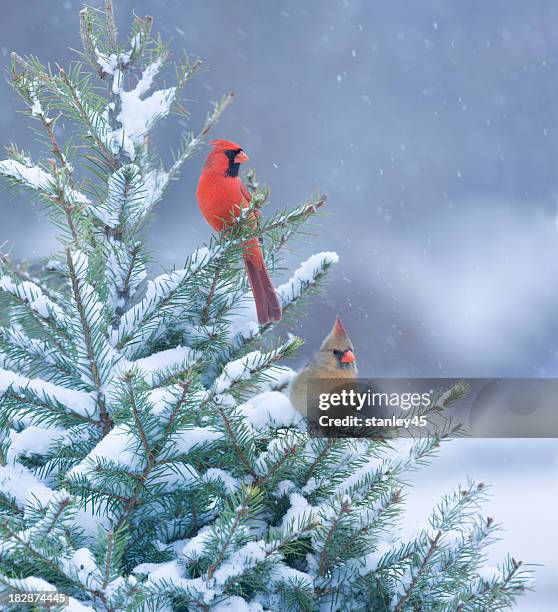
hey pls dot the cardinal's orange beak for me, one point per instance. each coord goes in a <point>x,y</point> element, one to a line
<point>241,158</point>
<point>348,357</point>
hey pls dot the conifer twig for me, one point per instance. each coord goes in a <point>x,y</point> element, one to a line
<point>420,571</point>
<point>112,31</point>
<point>105,417</point>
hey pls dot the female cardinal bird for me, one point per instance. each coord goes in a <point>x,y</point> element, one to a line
<point>221,195</point>
<point>334,360</point>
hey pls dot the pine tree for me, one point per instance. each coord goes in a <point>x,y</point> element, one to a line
<point>148,459</point>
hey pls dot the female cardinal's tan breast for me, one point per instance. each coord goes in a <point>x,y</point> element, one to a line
<point>219,198</point>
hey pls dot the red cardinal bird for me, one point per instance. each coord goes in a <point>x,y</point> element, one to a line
<point>221,194</point>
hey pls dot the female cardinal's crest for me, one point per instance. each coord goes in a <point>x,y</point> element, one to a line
<point>338,328</point>
<point>338,338</point>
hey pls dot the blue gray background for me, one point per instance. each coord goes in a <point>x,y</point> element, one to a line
<point>433,126</point>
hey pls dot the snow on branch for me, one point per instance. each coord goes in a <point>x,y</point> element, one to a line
<point>121,452</point>
<point>82,568</point>
<point>157,180</point>
<point>244,325</point>
<point>29,175</point>
<point>146,320</point>
<point>45,393</point>
<point>120,446</point>
<point>160,366</point>
<point>130,197</point>
<point>188,438</point>
<point>137,113</point>
<point>32,296</point>
<point>31,356</point>
<point>245,558</point>
<point>133,325</point>
<point>169,577</point>
<point>19,272</point>
<point>125,271</point>
<point>73,91</point>
<point>270,410</point>
<point>49,541</point>
<point>122,205</point>
<point>154,183</point>
<point>33,440</point>
<point>34,177</point>
<point>246,367</point>
<point>22,485</point>
<point>306,275</point>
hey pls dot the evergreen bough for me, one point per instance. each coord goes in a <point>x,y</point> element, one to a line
<point>148,460</point>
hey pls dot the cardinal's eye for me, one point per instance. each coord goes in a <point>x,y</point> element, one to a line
<point>337,353</point>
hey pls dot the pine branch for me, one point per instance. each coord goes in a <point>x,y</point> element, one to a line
<point>19,273</point>
<point>422,568</point>
<point>48,315</point>
<point>28,88</point>
<point>344,509</point>
<point>66,206</point>
<point>137,420</point>
<point>231,433</point>
<point>292,220</point>
<point>89,345</point>
<point>107,569</point>
<point>366,530</point>
<point>34,551</point>
<point>169,427</point>
<point>287,454</point>
<point>86,118</point>
<point>33,357</point>
<point>44,400</point>
<point>112,31</point>
<point>210,296</point>
<point>329,445</point>
<point>242,511</point>
<point>50,186</point>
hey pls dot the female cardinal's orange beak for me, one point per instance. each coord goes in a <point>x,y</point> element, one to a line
<point>348,357</point>
<point>241,158</point>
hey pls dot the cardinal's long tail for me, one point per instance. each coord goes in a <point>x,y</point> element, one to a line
<point>267,302</point>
